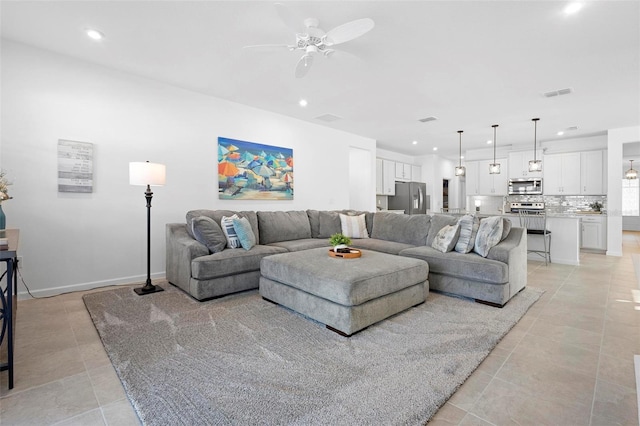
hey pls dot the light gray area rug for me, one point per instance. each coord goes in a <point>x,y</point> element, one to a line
<point>243,360</point>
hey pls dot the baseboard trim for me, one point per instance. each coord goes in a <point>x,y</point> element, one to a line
<point>54,291</point>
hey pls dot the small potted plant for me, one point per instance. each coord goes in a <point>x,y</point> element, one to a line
<point>596,206</point>
<point>339,242</point>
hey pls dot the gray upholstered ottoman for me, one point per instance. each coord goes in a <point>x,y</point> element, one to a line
<point>346,295</point>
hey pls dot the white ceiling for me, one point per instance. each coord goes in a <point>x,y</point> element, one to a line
<point>469,63</point>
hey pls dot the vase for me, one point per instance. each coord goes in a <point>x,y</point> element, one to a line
<point>3,219</point>
<point>335,248</point>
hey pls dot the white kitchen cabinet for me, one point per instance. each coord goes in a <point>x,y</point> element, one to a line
<point>489,184</point>
<point>416,173</point>
<point>594,233</point>
<point>519,164</point>
<point>388,177</point>
<point>561,174</point>
<point>379,176</point>
<point>471,178</point>
<point>403,171</point>
<point>592,173</point>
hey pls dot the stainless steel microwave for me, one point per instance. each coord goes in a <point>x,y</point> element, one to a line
<point>525,186</point>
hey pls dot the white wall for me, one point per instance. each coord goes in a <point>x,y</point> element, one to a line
<point>616,139</point>
<point>75,241</point>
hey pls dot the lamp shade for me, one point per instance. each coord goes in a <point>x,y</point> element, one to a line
<point>146,173</point>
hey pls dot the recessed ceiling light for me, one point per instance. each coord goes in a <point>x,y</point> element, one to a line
<point>435,148</point>
<point>303,102</point>
<point>573,7</point>
<point>489,142</point>
<point>462,157</point>
<point>95,34</point>
<point>560,133</point>
<point>415,142</point>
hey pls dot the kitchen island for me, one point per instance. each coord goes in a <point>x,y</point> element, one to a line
<point>565,237</point>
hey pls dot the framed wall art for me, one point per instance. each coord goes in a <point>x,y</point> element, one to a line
<point>75,166</point>
<point>254,171</point>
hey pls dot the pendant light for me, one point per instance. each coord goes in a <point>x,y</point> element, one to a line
<point>535,165</point>
<point>494,168</point>
<point>460,170</point>
<point>631,173</point>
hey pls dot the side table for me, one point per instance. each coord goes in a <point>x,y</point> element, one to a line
<point>8,305</point>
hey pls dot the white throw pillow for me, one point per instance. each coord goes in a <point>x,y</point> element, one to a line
<point>230,232</point>
<point>469,225</point>
<point>354,226</point>
<point>446,238</point>
<point>489,234</point>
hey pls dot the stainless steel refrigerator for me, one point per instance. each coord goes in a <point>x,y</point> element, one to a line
<point>411,197</point>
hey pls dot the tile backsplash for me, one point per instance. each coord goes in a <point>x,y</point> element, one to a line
<point>563,204</point>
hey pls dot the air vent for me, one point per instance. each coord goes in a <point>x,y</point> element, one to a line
<point>328,118</point>
<point>427,119</point>
<point>572,128</point>
<point>559,92</point>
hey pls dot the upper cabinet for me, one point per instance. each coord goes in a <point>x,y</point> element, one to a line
<point>574,173</point>
<point>519,164</point>
<point>480,182</point>
<point>403,171</point>
<point>388,177</point>
<point>592,175</point>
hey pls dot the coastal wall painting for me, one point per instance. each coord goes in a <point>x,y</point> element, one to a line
<point>253,171</point>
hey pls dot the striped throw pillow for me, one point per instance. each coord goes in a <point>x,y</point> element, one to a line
<point>468,229</point>
<point>230,232</point>
<point>354,226</point>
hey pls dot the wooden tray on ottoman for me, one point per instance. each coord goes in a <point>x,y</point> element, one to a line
<point>353,253</point>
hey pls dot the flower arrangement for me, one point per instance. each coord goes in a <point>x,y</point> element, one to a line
<point>4,187</point>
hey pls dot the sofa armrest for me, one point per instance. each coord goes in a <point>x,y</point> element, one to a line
<point>181,250</point>
<point>513,251</point>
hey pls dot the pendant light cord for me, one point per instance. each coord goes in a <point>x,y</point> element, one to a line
<point>494,143</point>
<point>535,137</point>
<point>460,149</point>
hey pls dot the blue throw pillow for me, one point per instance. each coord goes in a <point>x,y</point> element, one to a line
<point>244,232</point>
<point>226,223</point>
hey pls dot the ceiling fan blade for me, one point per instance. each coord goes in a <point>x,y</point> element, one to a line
<point>349,31</point>
<point>290,18</point>
<point>268,46</point>
<point>303,65</point>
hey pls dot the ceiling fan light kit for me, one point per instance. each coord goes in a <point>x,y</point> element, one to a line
<point>314,40</point>
<point>494,168</point>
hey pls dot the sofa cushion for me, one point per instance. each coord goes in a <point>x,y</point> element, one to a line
<point>354,226</point>
<point>469,225</point>
<point>314,222</point>
<point>231,262</point>
<point>401,228</point>
<point>226,223</point>
<point>207,232</point>
<point>382,246</point>
<point>446,238</point>
<point>244,232</point>
<point>439,221</point>
<point>489,234</point>
<point>328,224</point>
<point>468,266</point>
<point>217,215</point>
<point>283,226</point>
<point>304,244</point>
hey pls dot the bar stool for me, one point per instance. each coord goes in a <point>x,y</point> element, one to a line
<point>535,221</point>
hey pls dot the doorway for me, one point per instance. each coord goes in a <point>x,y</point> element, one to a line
<point>445,194</point>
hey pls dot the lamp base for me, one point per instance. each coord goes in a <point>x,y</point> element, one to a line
<point>148,289</point>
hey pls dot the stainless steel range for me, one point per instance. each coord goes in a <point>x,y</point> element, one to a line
<point>516,207</point>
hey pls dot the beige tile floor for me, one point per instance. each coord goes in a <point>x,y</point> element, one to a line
<point>568,361</point>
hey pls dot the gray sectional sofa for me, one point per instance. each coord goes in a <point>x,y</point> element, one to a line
<point>493,279</point>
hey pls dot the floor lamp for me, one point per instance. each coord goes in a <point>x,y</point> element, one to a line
<point>149,174</point>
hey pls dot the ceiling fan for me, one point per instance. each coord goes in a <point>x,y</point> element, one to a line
<point>313,40</point>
